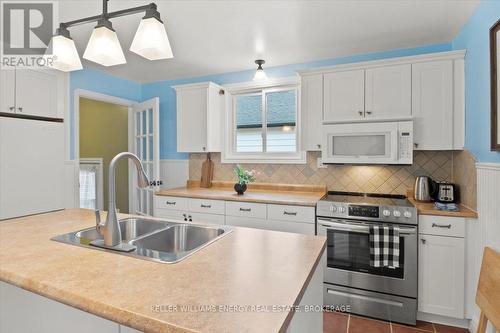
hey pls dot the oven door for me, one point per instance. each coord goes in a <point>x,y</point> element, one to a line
<point>348,258</point>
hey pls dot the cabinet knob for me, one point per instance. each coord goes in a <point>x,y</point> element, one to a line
<point>20,109</point>
<point>415,145</point>
<point>204,148</point>
<point>318,145</point>
<point>423,240</point>
<point>368,112</point>
<point>360,113</point>
<point>12,108</point>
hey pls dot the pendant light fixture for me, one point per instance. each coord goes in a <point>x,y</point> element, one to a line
<point>259,73</point>
<point>150,41</point>
<point>65,56</point>
<point>104,47</point>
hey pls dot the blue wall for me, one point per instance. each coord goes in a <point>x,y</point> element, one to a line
<point>164,90</point>
<point>103,83</point>
<point>475,38</point>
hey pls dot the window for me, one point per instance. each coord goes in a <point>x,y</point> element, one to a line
<point>263,125</point>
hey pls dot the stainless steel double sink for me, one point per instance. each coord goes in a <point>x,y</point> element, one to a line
<point>155,240</point>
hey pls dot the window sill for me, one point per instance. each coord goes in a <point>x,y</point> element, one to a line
<point>286,158</point>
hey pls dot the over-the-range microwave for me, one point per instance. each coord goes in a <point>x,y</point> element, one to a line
<point>368,143</point>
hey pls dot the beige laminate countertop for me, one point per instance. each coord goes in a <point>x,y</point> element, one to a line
<point>428,208</point>
<point>246,267</point>
<point>301,195</point>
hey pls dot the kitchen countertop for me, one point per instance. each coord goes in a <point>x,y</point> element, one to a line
<point>301,195</point>
<point>428,208</point>
<point>246,267</point>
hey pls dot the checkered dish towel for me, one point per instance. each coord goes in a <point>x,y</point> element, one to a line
<point>384,246</point>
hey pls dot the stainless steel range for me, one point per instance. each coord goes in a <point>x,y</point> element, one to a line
<point>385,293</point>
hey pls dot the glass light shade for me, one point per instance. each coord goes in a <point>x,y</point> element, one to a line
<point>151,40</point>
<point>260,75</point>
<point>104,48</point>
<point>64,55</point>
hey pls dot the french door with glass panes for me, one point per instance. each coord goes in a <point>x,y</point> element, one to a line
<point>146,145</point>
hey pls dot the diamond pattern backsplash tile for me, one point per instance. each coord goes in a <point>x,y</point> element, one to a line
<point>465,176</point>
<point>359,178</point>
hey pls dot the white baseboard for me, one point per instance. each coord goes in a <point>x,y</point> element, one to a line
<point>433,318</point>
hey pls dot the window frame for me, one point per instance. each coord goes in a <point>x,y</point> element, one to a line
<point>229,154</point>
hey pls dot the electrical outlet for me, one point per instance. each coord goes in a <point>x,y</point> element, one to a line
<point>321,165</point>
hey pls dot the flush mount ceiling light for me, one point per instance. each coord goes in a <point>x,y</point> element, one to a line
<point>150,41</point>
<point>259,73</point>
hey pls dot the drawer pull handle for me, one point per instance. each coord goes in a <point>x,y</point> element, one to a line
<point>448,226</point>
<point>206,206</point>
<point>290,213</point>
<point>171,203</point>
<point>245,209</point>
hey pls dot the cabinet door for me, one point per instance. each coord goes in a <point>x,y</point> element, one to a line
<point>343,94</point>
<point>388,92</point>
<point>7,90</point>
<point>192,120</point>
<point>441,275</point>
<point>311,112</point>
<point>37,92</point>
<point>171,214</point>
<point>207,218</point>
<point>432,105</point>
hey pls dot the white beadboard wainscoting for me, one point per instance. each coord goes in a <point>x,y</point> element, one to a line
<point>485,231</point>
<point>174,173</point>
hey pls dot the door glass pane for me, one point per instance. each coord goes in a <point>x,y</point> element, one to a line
<point>151,150</point>
<point>137,123</point>
<point>359,145</point>
<point>150,117</point>
<point>144,149</point>
<point>281,111</point>
<point>248,123</point>
<point>144,122</point>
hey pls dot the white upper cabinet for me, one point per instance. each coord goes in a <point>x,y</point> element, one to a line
<point>388,92</point>
<point>199,117</point>
<point>344,95</point>
<point>312,111</point>
<point>432,104</point>
<point>36,92</point>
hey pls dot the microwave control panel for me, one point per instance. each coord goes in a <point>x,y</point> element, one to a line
<point>405,142</point>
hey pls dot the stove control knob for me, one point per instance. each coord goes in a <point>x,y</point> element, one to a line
<point>333,208</point>
<point>407,214</point>
<point>386,212</point>
<point>396,213</point>
<point>341,209</point>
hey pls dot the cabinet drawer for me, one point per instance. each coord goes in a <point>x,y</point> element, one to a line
<point>246,209</point>
<point>175,203</point>
<point>246,222</point>
<point>207,206</point>
<point>291,213</point>
<point>171,214</point>
<point>207,218</point>
<point>441,225</point>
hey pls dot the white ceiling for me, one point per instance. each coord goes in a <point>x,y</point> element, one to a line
<point>211,37</point>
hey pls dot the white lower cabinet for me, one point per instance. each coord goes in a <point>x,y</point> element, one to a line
<point>288,218</point>
<point>441,285</point>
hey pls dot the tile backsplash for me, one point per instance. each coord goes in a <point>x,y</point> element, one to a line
<point>358,178</point>
<point>465,176</point>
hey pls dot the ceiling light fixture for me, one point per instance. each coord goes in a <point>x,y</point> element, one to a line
<point>259,73</point>
<point>150,41</point>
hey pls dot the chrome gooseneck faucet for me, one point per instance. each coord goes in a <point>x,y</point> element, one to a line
<point>110,229</point>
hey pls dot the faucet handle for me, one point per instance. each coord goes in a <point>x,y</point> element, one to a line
<point>97,219</point>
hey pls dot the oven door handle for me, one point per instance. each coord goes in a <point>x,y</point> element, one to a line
<point>365,229</point>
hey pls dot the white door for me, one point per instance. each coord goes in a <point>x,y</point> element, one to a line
<point>441,275</point>
<point>312,112</point>
<point>146,145</point>
<point>7,90</point>
<point>344,95</point>
<point>37,92</point>
<point>432,105</point>
<point>388,92</point>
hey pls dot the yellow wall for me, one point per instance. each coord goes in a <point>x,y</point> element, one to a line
<point>103,134</point>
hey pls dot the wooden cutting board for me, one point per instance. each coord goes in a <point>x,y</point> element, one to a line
<point>207,172</point>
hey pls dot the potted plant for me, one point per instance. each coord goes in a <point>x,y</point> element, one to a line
<point>244,177</point>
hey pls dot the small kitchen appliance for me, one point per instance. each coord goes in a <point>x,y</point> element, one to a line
<point>425,189</point>
<point>446,193</point>
<point>349,279</point>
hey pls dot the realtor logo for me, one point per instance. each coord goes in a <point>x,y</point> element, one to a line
<point>27,28</point>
